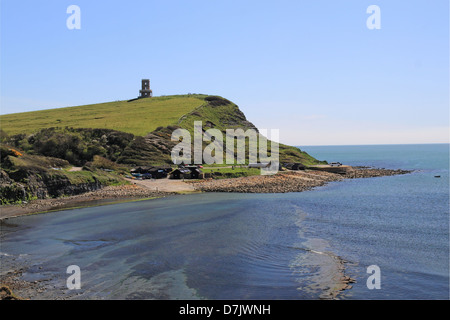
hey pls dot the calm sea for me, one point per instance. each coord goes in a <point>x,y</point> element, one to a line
<point>254,246</point>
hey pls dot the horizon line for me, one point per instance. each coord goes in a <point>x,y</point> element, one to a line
<point>369,144</point>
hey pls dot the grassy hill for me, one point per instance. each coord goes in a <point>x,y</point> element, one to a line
<point>137,132</point>
<point>138,117</point>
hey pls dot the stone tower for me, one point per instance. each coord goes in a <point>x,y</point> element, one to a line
<point>145,92</point>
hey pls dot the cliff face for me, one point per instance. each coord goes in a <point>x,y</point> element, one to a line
<point>26,177</point>
<point>222,114</point>
<point>41,186</point>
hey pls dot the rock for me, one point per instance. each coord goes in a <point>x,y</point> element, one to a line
<point>7,294</point>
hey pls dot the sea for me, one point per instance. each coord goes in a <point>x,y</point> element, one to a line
<point>390,235</point>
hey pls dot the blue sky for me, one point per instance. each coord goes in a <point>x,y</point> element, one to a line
<point>309,68</point>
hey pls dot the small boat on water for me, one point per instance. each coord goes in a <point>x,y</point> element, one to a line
<point>437,176</point>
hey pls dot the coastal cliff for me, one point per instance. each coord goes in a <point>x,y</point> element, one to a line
<point>28,177</point>
<point>105,141</point>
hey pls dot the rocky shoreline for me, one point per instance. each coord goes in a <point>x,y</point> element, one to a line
<point>289,181</point>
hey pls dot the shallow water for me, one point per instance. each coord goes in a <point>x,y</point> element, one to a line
<point>214,246</point>
<point>254,246</point>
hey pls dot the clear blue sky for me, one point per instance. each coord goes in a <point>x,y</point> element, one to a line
<point>309,68</point>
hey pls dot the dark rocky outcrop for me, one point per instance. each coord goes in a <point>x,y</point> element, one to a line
<point>40,186</point>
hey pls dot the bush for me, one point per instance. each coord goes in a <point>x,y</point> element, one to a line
<point>77,146</point>
<point>217,101</point>
<point>103,163</point>
<point>12,193</point>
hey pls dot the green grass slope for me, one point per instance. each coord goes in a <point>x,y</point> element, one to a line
<point>138,117</point>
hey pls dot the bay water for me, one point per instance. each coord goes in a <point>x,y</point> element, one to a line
<point>254,246</point>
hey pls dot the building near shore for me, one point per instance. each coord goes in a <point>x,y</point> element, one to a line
<point>147,172</point>
<point>188,172</point>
